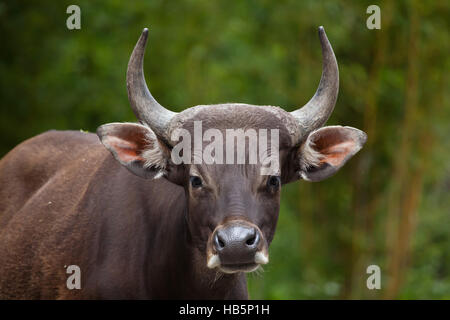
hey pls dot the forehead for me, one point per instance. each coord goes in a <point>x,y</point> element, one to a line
<point>239,116</point>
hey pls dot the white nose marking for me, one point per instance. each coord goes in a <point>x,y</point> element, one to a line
<point>261,258</point>
<point>213,261</point>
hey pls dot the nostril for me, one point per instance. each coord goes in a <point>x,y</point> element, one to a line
<point>253,239</point>
<point>220,244</point>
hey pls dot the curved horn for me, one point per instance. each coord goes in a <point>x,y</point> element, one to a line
<point>144,106</point>
<point>316,112</point>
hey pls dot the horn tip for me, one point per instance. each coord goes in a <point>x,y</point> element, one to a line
<point>323,36</point>
<point>321,30</point>
<point>143,38</point>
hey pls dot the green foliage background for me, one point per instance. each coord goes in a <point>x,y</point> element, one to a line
<point>389,206</point>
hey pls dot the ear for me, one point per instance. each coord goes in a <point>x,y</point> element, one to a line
<point>136,147</point>
<point>326,150</point>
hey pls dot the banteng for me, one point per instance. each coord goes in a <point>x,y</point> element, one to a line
<point>140,225</point>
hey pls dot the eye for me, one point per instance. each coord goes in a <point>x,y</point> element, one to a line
<point>196,182</point>
<point>273,182</point>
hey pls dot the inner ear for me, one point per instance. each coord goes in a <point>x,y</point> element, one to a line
<point>327,149</point>
<point>129,148</point>
<point>333,146</point>
<point>136,147</point>
<point>127,141</point>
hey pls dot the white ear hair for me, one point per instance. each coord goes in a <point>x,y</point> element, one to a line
<point>309,157</point>
<point>154,155</point>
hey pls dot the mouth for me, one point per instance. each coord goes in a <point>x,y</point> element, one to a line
<point>214,262</point>
<point>242,267</point>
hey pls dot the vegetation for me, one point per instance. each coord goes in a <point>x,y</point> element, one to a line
<point>389,206</point>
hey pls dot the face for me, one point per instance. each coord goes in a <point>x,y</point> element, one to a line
<point>233,201</point>
<point>232,214</point>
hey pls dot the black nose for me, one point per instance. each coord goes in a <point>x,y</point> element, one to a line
<point>237,244</point>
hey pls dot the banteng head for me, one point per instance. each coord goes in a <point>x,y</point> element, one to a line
<point>232,159</point>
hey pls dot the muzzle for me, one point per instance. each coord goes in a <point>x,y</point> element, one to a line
<point>237,246</point>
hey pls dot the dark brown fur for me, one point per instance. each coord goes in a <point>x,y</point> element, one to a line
<point>65,200</point>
